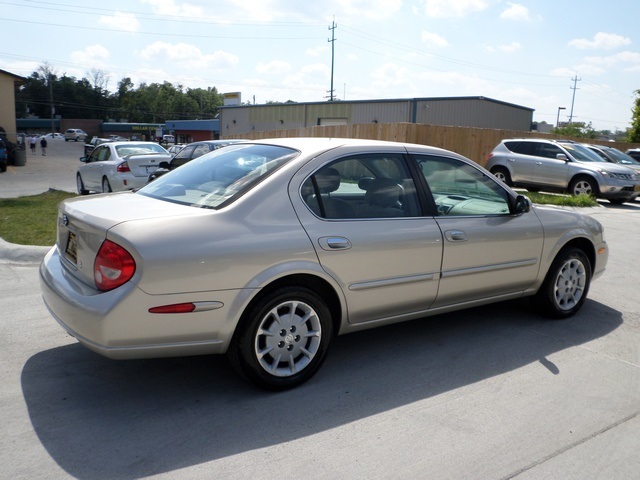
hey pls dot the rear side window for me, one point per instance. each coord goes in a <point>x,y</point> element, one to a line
<point>361,187</point>
<point>523,148</point>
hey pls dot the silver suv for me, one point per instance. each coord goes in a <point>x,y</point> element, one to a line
<point>561,165</point>
<point>75,134</point>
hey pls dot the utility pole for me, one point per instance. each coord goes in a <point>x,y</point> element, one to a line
<point>333,41</point>
<point>573,99</point>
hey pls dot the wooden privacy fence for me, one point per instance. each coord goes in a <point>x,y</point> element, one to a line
<point>473,143</point>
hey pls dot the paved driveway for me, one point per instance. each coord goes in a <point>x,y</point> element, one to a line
<point>55,170</point>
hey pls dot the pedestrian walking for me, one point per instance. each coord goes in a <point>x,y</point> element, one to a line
<point>43,145</point>
<point>32,144</point>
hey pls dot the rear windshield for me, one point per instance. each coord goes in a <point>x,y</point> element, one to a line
<point>139,149</point>
<point>217,178</point>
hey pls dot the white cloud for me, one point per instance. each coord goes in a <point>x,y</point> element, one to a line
<point>433,39</point>
<point>453,8</point>
<point>91,55</point>
<point>622,57</point>
<point>188,55</point>
<point>317,51</point>
<point>510,48</point>
<point>515,12</point>
<point>374,9</point>
<point>170,7</point>
<point>602,40</point>
<point>274,66</point>
<point>120,21</point>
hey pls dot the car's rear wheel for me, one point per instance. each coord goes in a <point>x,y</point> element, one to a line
<point>282,340</point>
<point>566,286</point>
<point>503,174</point>
<point>106,188</point>
<point>584,185</point>
<point>80,186</point>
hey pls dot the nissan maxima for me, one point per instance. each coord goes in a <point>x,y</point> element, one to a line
<point>266,250</point>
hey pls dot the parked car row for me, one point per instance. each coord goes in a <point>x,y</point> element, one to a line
<point>286,243</point>
<point>565,166</point>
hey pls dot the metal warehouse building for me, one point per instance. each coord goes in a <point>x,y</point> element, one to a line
<point>479,112</point>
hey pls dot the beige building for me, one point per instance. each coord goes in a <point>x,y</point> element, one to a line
<point>8,82</point>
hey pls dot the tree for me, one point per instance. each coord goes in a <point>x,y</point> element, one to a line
<point>634,131</point>
<point>576,130</point>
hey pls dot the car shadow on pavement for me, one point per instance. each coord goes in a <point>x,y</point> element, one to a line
<point>100,418</point>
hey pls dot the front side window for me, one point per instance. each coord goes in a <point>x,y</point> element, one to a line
<point>362,186</point>
<point>461,189</point>
<point>219,177</point>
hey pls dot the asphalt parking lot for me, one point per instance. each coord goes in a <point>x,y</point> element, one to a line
<point>490,393</point>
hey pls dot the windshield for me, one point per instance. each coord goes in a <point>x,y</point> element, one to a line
<point>132,148</point>
<point>622,158</point>
<point>582,153</point>
<point>219,176</point>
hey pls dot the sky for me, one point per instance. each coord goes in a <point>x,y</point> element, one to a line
<point>545,55</point>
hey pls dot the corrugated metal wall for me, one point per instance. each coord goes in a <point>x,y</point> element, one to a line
<point>476,112</point>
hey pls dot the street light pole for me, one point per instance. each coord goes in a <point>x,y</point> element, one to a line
<point>558,118</point>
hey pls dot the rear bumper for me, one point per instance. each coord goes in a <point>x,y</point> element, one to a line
<point>118,325</point>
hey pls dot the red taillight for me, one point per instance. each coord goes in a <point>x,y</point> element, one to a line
<point>123,167</point>
<point>113,267</point>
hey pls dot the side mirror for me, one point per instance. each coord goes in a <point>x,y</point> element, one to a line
<point>562,156</point>
<point>521,205</point>
<point>83,159</point>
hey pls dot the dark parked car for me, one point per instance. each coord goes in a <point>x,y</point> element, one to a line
<point>93,143</point>
<point>189,152</point>
<point>4,156</point>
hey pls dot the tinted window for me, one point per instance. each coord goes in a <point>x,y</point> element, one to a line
<point>524,148</point>
<point>461,189</point>
<point>362,186</point>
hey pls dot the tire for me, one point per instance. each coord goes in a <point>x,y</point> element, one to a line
<point>583,185</point>
<point>566,286</point>
<point>502,174</point>
<point>106,187</point>
<point>80,186</point>
<point>282,340</point>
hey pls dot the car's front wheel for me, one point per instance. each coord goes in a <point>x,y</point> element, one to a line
<point>283,339</point>
<point>566,286</point>
<point>584,185</point>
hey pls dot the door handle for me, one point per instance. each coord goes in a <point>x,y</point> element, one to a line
<point>334,243</point>
<point>456,236</point>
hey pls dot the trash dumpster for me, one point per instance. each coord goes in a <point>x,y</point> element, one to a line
<point>19,155</point>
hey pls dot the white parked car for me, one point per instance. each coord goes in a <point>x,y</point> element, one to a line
<point>117,166</point>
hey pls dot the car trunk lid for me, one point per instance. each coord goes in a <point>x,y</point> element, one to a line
<point>84,223</point>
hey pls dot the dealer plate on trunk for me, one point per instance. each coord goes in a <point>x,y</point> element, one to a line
<point>72,248</point>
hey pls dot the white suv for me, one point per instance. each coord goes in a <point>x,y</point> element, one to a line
<point>561,165</point>
<point>75,134</point>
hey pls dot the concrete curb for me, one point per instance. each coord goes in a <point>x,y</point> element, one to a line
<point>13,253</point>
